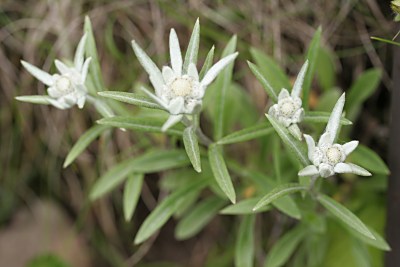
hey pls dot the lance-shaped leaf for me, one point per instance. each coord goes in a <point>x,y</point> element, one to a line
<point>192,147</point>
<point>198,217</point>
<point>334,120</point>
<point>344,215</point>
<point>278,192</point>
<point>220,172</point>
<point>322,117</point>
<point>34,99</point>
<point>298,84</point>
<point>244,207</point>
<point>264,82</point>
<point>150,162</point>
<point>244,247</point>
<point>246,134</point>
<point>83,142</point>
<point>132,98</point>
<point>160,215</point>
<point>207,63</point>
<point>367,158</point>
<point>294,145</point>
<point>132,189</point>
<point>143,124</point>
<point>193,47</point>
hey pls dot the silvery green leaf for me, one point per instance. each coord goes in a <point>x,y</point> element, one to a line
<point>244,247</point>
<point>294,145</point>
<point>264,82</point>
<point>149,66</point>
<point>345,215</point>
<point>34,99</point>
<point>246,134</point>
<point>220,172</point>
<point>160,215</point>
<point>368,158</point>
<point>192,147</point>
<point>379,242</point>
<point>39,74</point>
<point>131,98</point>
<point>207,63</point>
<point>198,217</point>
<point>296,91</point>
<point>278,192</point>
<point>85,69</point>
<point>334,120</point>
<point>244,207</point>
<point>171,121</point>
<point>79,53</point>
<point>193,47</point>
<point>83,142</point>
<point>175,53</point>
<point>322,117</point>
<point>132,189</point>
<point>342,167</point>
<point>217,68</point>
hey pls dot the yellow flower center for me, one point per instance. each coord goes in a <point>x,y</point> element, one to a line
<point>287,108</point>
<point>64,84</point>
<point>333,155</point>
<point>181,86</point>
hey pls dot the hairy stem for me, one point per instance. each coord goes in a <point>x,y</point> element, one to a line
<point>203,139</point>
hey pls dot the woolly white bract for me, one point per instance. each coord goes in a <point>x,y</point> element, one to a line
<point>178,89</point>
<point>67,88</point>
<point>328,157</point>
<point>288,110</point>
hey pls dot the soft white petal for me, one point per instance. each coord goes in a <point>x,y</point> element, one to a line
<point>296,91</point>
<point>58,104</point>
<point>217,68</point>
<point>85,69</point>
<point>172,120</point>
<point>158,87</point>
<point>274,111</point>
<point>193,47</point>
<point>310,145</point>
<point>62,68</point>
<point>175,53</point>
<point>154,97</point>
<point>298,115</point>
<point>283,94</point>
<point>295,131</point>
<point>310,170</point>
<point>54,92</point>
<point>175,106</point>
<point>349,147</point>
<point>325,139</point>
<point>192,71</point>
<point>168,74</point>
<point>81,101</point>
<point>42,76</point>
<point>351,168</point>
<point>149,66</point>
<point>326,170</point>
<point>79,54</point>
<point>334,120</point>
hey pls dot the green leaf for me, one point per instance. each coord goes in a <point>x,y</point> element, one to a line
<point>34,99</point>
<point>272,93</point>
<point>133,187</point>
<point>326,70</point>
<point>246,134</point>
<point>379,242</point>
<point>386,40</point>
<point>294,145</point>
<point>244,247</point>
<point>312,56</point>
<point>271,71</point>
<point>94,74</point>
<point>198,217</point>
<point>361,89</point>
<point>284,247</point>
<point>131,98</point>
<point>193,47</point>
<point>244,207</point>
<point>83,142</point>
<point>160,215</point>
<point>322,117</point>
<point>369,159</point>
<point>344,215</point>
<point>148,124</point>
<point>278,192</point>
<point>222,84</point>
<point>207,63</point>
<point>153,161</point>
<point>192,148</point>
<point>220,172</point>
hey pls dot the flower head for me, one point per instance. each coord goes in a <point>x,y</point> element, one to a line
<point>66,88</point>
<point>288,110</point>
<point>328,157</point>
<point>179,89</point>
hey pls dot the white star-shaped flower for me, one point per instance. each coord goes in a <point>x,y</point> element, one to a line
<point>288,110</point>
<point>328,157</point>
<point>178,89</point>
<point>67,88</point>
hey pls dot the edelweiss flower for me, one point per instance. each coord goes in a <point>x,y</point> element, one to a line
<point>288,110</point>
<point>67,88</point>
<point>327,157</point>
<point>178,89</point>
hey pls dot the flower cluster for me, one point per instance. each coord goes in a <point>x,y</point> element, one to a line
<point>67,88</point>
<point>179,89</point>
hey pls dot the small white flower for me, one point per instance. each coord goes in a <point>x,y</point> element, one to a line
<point>67,88</point>
<point>178,88</point>
<point>328,157</point>
<point>288,110</point>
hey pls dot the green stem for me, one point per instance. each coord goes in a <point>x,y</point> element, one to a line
<point>203,139</point>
